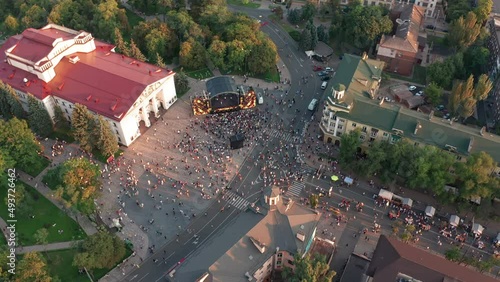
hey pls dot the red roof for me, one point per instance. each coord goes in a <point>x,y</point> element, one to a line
<point>106,82</point>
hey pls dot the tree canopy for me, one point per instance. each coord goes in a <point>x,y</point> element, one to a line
<point>310,268</point>
<point>100,250</point>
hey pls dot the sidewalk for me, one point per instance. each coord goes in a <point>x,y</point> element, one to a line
<point>48,247</point>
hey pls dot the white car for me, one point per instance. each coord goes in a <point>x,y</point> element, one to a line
<point>260,99</point>
<point>412,87</point>
<point>328,69</point>
<point>420,93</point>
<point>312,105</point>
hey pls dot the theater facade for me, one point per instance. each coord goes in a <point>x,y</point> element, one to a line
<point>63,67</point>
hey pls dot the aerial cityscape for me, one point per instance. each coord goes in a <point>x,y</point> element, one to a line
<point>250,140</point>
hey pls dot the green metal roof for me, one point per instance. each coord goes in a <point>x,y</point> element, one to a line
<point>371,114</point>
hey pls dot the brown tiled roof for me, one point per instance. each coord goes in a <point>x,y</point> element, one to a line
<point>393,257</point>
<point>406,36</point>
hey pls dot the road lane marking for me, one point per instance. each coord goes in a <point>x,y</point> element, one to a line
<point>143,277</point>
<point>134,277</point>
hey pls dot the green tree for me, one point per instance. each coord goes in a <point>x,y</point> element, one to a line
<point>375,157</point>
<point>322,32</point>
<point>476,60</point>
<point>121,45</point>
<point>80,183</point>
<point>483,10</point>
<point>294,16</point>
<point>278,11</point>
<point>314,34</point>
<point>314,200</point>
<point>482,88</point>
<point>457,9</point>
<point>13,106</point>
<point>135,52</point>
<point>100,250</point>
<point>41,236</point>
<point>305,40</point>
<point>82,125</point>
<point>60,118</point>
<point>309,269</point>
<point>454,99</point>
<point>107,143</point>
<point>362,25</point>
<point>454,254</point>
<point>159,61</point>
<point>467,100</point>
<point>20,142</point>
<point>349,144</point>
<point>181,83</point>
<point>307,12</point>
<point>464,32</point>
<point>32,267</point>
<point>475,177</point>
<point>34,17</point>
<point>11,24</point>
<point>38,117</point>
<point>192,55</point>
<point>434,94</point>
<point>443,73</point>
<point>217,53</point>
<point>263,57</point>
<point>236,55</point>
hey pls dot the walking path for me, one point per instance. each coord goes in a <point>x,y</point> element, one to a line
<point>48,247</point>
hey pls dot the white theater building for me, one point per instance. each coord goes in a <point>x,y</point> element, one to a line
<point>60,66</point>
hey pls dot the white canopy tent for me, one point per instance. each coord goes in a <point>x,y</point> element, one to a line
<point>407,202</point>
<point>348,180</point>
<point>454,220</point>
<point>385,194</point>
<point>477,229</point>
<point>430,211</point>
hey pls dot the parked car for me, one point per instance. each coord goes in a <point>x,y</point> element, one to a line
<point>412,87</point>
<point>420,93</point>
<point>260,98</point>
<point>447,116</point>
<point>328,69</point>
<point>322,73</point>
<point>317,68</point>
<point>325,78</point>
<point>440,107</point>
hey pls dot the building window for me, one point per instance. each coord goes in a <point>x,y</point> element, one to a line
<point>70,106</point>
<point>290,262</point>
<point>57,101</point>
<point>459,158</point>
<point>278,262</point>
<point>66,111</point>
<point>114,123</point>
<point>340,127</point>
<point>117,132</point>
<point>353,124</point>
<point>119,139</point>
<point>364,129</point>
<point>64,104</point>
<point>268,266</point>
<point>280,255</point>
<point>430,6</point>
<point>385,134</point>
<point>362,138</point>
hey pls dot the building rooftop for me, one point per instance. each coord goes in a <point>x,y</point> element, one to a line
<point>322,49</point>
<point>393,258</point>
<point>323,247</point>
<point>277,229</point>
<point>220,84</point>
<point>355,269</point>
<point>107,83</point>
<point>407,33</point>
<point>389,116</point>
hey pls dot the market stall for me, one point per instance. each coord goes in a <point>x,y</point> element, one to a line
<point>384,194</point>
<point>348,180</point>
<point>477,229</point>
<point>454,220</point>
<point>430,211</point>
<point>407,202</point>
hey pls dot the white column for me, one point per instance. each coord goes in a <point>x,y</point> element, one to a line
<point>145,116</point>
<point>336,127</point>
<point>155,106</point>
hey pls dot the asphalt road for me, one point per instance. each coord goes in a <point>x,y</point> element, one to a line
<point>166,259</point>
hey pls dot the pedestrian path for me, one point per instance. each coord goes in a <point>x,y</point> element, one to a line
<point>48,247</point>
<point>236,201</point>
<point>285,136</point>
<point>295,189</point>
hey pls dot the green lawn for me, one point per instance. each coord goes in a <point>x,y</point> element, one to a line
<point>51,178</point>
<point>270,76</point>
<point>62,134</point>
<point>197,74</point>
<point>244,3</point>
<point>46,215</point>
<point>419,75</point>
<point>34,170</point>
<point>103,159</point>
<point>60,263</point>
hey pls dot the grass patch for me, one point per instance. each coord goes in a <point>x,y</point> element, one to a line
<point>104,159</point>
<point>270,76</point>
<point>197,74</point>
<point>295,34</point>
<point>439,41</point>
<point>62,134</point>
<point>51,178</point>
<point>180,94</point>
<point>248,4</point>
<point>419,75</point>
<point>40,164</point>
<point>60,263</point>
<point>46,215</point>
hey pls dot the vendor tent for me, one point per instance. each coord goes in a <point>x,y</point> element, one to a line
<point>407,202</point>
<point>348,180</point>
<point>477,229</point>
<point>385,194</point>
<point>334,178</point>
<point>454,220</point>
<point>430,211</point>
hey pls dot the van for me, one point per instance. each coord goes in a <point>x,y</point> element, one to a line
<point>260,99</point>
<point>324,84</point>
<point>312,105</point>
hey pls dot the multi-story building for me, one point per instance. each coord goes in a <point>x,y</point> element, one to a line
<point>401,51</point>
<point>353,104</point>
<point>493,45</point>
<point>63,67</point>
<point>428,5</point>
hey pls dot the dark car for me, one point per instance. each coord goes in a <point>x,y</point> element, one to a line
<point>325,78</point>
<point>322,73</point>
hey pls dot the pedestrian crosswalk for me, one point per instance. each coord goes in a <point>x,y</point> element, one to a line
<point>285,136</point>
<point>295,189</point>
<point>236,201</point>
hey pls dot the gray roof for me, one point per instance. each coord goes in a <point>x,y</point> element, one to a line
<point>322,49</point>
<point>221,84</point>
<point>355,269</point>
